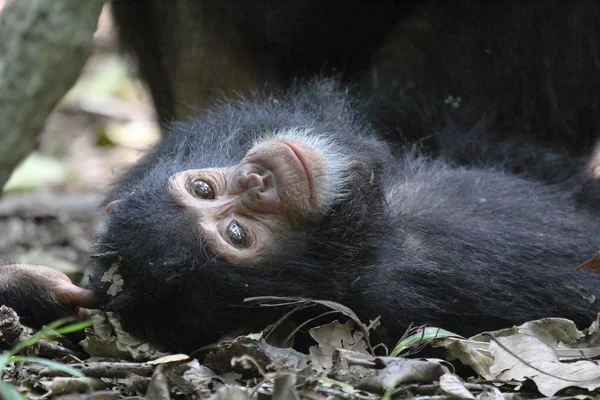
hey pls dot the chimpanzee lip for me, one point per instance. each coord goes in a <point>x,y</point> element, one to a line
<point>300,156</point>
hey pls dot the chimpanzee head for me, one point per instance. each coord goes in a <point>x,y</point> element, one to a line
<point>289,208</point>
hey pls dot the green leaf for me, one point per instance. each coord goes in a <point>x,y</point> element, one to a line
<point>8,392</point>
<point>423,336</point>
<point>52,364</point>
<point>59,322</point>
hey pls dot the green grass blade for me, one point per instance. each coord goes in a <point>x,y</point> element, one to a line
<point>421,337</point>
<point>44,333</point>
<point>60,322</point>
<point>51,331</point>
<point>76,326</point>
<point>8,392</point>
<point>4,360</point>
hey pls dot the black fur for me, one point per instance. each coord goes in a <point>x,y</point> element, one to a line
<point>522,72</point>
<point>416,241</point>
<point>526,68</point>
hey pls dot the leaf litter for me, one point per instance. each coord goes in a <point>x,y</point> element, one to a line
<point>547,357</point>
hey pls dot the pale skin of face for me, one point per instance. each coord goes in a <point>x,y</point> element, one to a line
<point>271,190</point>
<point>274,188</point>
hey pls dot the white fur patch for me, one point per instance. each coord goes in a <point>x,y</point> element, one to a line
<point>337,162</point>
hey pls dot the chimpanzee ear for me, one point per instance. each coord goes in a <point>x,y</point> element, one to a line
<point>111,206</point>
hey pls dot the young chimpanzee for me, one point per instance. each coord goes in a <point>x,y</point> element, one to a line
<point>295,196</point>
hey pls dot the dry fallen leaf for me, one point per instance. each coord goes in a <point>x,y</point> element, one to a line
<point>283,387</point>
<point>592,263</point>
<point>469,352</point>
<point>334,336</point>
<point>158,388</point>
<point>520,357</point>
<point>276,301</point>
<point>253,345</point>
<point>106,338</point>
<point>561,334</point>
<point>351,367</point>
<point>455,387</point>
<point>61,385</point>
<point>169,359</point>
<point>191,377</point>
<point>231,393</point>
<point>403,370</point>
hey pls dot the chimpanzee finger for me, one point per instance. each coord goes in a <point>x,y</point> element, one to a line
<point>40,294</point>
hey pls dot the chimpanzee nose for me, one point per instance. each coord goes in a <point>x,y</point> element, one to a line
<point>253,181</point>
<point>254,177</point>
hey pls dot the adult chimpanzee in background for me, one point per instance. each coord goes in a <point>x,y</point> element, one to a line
<point>484,83</point>
<point>295,196</point>
<point>526,68</point>
<point>191,52</point>
<point>509,84</point>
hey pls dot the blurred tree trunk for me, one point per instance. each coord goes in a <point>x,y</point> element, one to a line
<point>43,47</point>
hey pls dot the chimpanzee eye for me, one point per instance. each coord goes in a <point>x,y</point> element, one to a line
<point>237,235</point>
<point>203,190</point>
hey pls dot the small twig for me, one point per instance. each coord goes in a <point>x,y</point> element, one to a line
<point>52,350</point>
<point>103,369</point>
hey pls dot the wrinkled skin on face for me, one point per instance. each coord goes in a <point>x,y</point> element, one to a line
<point>241,210</point>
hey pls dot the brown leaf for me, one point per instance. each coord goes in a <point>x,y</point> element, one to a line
<point>592,263</point>
<point>454,386</point>
<point>268,357</point>
<point>298,301</point>
<point>403,370</point>
<point>520,357</point>
<point>334,336</point>
<point>283,387</point>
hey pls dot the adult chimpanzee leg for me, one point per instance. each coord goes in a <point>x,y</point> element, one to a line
<point>487,83</point>
<point>192,52</point>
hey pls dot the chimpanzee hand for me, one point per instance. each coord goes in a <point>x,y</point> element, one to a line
<point>40,294</point>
